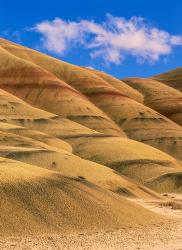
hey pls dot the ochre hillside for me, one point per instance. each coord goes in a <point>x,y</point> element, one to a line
<point>63,134</point>
<point>120,85</point>
<point>171,78</point>
<point>78,146</point>
<point>138,121</point>
<point>160,97</point>
<point>35,201</point>
<point>35,85</point>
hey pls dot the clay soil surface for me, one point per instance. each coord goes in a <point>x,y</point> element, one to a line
<point>158,237</point>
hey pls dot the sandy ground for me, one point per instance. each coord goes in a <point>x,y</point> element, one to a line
<point>158,237</point>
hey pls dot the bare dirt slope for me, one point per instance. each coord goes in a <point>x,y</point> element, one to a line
<point>78,150</point>
<point>61,134</point>
<point>172,78</point>
<point>35,200</point>
<point>112,109</point>
<point>159,96</point>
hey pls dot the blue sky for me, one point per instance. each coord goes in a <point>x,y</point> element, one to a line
<point>122,37</point>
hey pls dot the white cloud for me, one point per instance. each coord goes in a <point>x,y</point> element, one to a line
<point>58,34</point>
<point>111,40</point>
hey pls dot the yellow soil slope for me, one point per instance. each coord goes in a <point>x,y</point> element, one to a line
<point>172,78</point>
<point>13,110</point>
<point>138,121</point>
<point>160,97</point>
<point>75,167</point>
<point>131,158</point>
<point>170,183</point>
<point>35,135</point>
<point>120,85</point>
<point>36,201</point>
<point>44,90</point>
<point>142,123</point>
<point>115,152</point>
<point>30,151</point>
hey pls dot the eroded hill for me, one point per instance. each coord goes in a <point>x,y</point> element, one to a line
<point>77,142</point>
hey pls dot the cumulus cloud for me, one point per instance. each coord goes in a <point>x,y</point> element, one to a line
<point>111,40</point>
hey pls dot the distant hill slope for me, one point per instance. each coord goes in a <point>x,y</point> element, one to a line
<point>159,96</point>
<point>128,157</point>
<point>76,143</point>
<point>74,86</point>
<point>173,78</point>
<point>110,109</point>
<point>170,182</point>
<point>27,144</point>
<point>120,85</point>
<point>42,89</point>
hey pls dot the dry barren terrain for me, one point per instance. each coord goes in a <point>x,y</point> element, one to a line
<point>87,161</point>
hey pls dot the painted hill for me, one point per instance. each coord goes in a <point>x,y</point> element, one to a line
<point>76,143</point>
<point>128,157</point>
<point>136,120</point>
<point>49,151</point>
<point>35,85</point>
<point>120,85</point>
<point>35,200</point>
<point>160,97</point>
<point>62,134</point>
<point>171,78</point>
<point>170,182</point>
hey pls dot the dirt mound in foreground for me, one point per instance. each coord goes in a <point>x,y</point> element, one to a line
<point>35,200</point>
